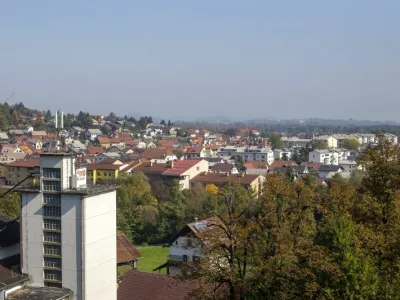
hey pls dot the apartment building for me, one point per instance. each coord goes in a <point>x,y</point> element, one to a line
<point>328,157</point>
<point>252,153</point>
<point>19,170</point>
<point>68,231</point>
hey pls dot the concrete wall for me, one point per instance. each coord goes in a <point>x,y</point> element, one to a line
<point>99,246</point>
<point>32,237</point>
<point>65,163</point>
<point>71,243</point>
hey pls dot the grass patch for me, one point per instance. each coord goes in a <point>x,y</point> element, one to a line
<point>152,257</point>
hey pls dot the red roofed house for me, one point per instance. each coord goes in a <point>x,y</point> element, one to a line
<point>107,142</point>
<point>19,170</point>
<point>40,134</point>
<point>158,154</point>
<point>183,170</point>
<point>95,150</point>
<point>195,152</point>
<point>127,254</point>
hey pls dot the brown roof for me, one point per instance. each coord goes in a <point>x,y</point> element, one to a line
<point>154,153</point>
<point>255,165</point>
<point>95,150</point>
<point>221,178</point>
<point>38,133</point>
<point>312,165</point>
<point>94,166</point>
<point>148,167</point>
<point>282,163</point>
<point>25,163</point>
<point>125,250</point>
<point>150,286</point>
<point>222,167</point>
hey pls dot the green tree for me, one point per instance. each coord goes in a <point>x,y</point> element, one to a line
<point>285,156</point>
<point>319,144</point>
<point>10,204</point>
<point>275,141</point>
<point>351,144</point>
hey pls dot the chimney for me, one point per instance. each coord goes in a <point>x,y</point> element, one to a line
<point>151,163</point>
<point>228,173</point>
<point>172,164</point>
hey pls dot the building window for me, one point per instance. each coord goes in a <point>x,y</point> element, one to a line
<point>52,199</point>
<point>51,185</point>
<point>52,250</point>
<point>52,275</point>
<point>52,262</point>
<point>51,211</point>
<point>51,172</point>
<point>52,224</point>
<point>185,258</point>
<point>197,168</point>
<point>52,237</point>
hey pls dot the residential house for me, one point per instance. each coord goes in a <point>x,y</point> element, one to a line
<point>95,150</point>
<point>224,168</point>
<point>250,153</point>
<point>77,146</point>
<point>312,166</point>
<point>256,167</point>
<point>253,182</point>
<point>281,163</point>
<point>107,142</point>
<point>161,153</point>
<point>150,286</point>
<point>189,245</point>
<point>341,138</point>
<point>195,152</point>
<point>39,134</point>
<point>141,145</point>
<point>17,171</point>
<point>10,153</point>
<point>107,173</point>
<point>4,137</point>
<point>329,140</point>
<point>211,150</point>
<point>183,171</point>
<point>107,155</point>
<point>92,134</point>
<point>366,138</point>
<point>327,171</point>
<point>77,131</point>
<point>116,149</point>
<point>16,132</point>
<point>349,165</point>
<point>127,254</point>
<point>295,142</point>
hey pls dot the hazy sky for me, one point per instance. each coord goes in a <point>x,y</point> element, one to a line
<point>168,58</point>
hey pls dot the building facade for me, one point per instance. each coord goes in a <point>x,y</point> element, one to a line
<point>68,231</point>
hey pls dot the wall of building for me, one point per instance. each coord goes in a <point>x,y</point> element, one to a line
<point>32,240</point>
<point>65,163</point>
<point>71,242</point>
<point>200,167</point>
<point>99,246</point>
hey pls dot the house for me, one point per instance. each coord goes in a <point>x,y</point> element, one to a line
<point>183,171</point>
<point>329,140</point>
<point>107,173</point>
<point>158,154</point>
<point>77,146</point>
<point>4,137</point>
<point>16,132</point>
<point>150,286</point>
<point>256,167</point>
<point>107,142</point>
<point>95,150</point>
<point>211,150</point>
<point>141,145</point>
<point>254,182</point>
<point>19,170</point>
<point>366,138</point>
<point>250,153</point>
<point>281,154</point>
<point>39,134</point>
<point>195,152</point>
<point>127,254</point>
<point>107,155</point>
<point>92,134</point>
<point>281,163</point>
<point>295,142</point>
<point>224,168</point>
<point>77,131</point>
<point>312,166</point>
<point>327,171</point>
<point>189,245</point>
<point>349,165</point>
<point>341,138</point>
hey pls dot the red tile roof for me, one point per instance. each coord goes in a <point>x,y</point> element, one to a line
<point>150,286</point>
<point>194,150</point>
<point>181,166</point>
<point>108,140</point>
<point>25,163</point>
<point>281,163</point>
<point>147,167</point>
<point>95,150</point>
<point>222,167</point>
<point>125,250</point>
<point>245,179</point>
<point>312,165</point>
<point>154,153</point>
<point>255,165</point>
<point>38,133</point>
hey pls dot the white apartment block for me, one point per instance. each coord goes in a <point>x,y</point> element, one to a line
<point>295,142</point>
<point>252,153</point>
<point>68,231</point>
<point>328,157</point>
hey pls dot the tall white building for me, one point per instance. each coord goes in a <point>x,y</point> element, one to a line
<point>68,231</point>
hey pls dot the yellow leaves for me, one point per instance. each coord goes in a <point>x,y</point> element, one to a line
<point>212,189</point>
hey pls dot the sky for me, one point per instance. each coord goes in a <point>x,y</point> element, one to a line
<point>194,59</point>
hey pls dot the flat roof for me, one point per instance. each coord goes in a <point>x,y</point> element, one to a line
<point>90,190</point>
<point>43,293</point>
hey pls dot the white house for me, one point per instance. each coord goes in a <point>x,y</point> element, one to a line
<point>92,134</point>
<point>327,171</point>
<point>189,245</point>
<point>325,157</point>
<point>252,153</point>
